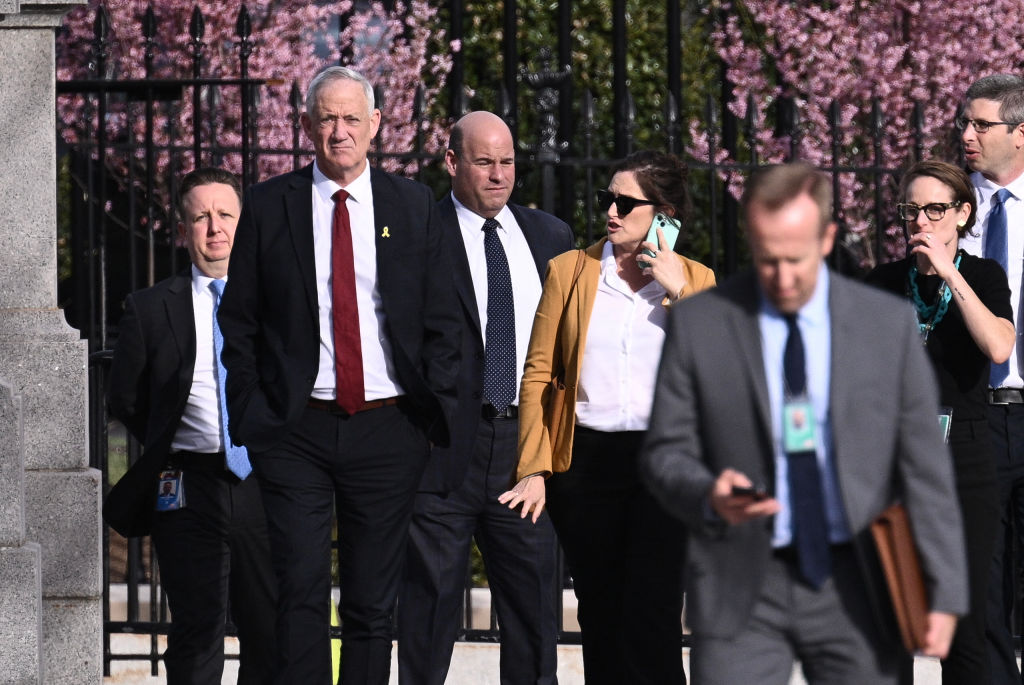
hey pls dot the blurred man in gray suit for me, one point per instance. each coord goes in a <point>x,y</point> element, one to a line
<point>792,407</point>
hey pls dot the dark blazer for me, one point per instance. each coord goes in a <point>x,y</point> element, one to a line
<point>711,411</point>
<point>547,237</point>
<point>147,389</point>
<point>268,312</point>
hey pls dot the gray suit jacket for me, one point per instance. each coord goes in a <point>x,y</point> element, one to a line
<point>711,411</point>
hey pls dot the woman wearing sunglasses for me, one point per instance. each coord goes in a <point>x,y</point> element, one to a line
<point>964,314</point>
<point>605,335</point>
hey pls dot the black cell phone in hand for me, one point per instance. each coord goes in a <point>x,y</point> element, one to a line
<point>756,492</point>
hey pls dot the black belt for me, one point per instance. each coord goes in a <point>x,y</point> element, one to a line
<point>1005,396</point>
<point>197,461</point>
<point>488,411</point>
<point>789,554</point>
<point>333,407</point>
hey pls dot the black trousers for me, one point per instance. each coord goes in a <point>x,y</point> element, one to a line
<point>365,469</point>
<point>1007,424</point>
<point>626,556</point>
<point>214,549</point>
<point>968,660</point>
<point>520,558</point>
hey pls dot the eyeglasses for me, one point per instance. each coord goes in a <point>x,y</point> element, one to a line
<point>933,210</point>
<point>980,125</point>
<point>624,203</point>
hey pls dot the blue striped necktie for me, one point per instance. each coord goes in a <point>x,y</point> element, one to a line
<point>995,247</point>
<point>236,457</point>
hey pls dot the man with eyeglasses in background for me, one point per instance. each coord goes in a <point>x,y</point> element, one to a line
<point>992,133</point>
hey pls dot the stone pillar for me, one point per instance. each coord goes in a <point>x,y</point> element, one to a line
<point>50,563</point>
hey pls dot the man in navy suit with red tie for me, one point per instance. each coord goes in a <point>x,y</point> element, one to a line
<point>341,343</point>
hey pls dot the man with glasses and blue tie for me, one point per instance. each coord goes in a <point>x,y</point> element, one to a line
<point>992,133</point>
<point>192,489</point>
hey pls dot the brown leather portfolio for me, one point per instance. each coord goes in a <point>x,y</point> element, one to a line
<point>902,567</point>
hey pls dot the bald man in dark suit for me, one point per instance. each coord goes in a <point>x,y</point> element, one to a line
<point>458,497</point>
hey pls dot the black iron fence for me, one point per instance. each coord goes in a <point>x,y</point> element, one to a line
<point>116,213</point>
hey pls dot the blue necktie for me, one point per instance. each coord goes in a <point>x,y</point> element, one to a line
<point>995,247</point>
<point>500,348</point>
<point>806,501</point>
<point>236,457</point>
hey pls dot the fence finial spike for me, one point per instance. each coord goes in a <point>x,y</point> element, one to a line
<point>149,23</point>
<point>243,27</point>
<point>197,24</point>
<point>101,25</point>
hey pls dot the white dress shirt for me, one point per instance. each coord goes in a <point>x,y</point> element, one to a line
<point>985,190</point>
<point>621,356</point>
<point>526,286</point>
<point>200,429</point>
<point>378,372</point>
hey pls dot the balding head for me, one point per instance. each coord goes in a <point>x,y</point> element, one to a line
<point>481,162</point>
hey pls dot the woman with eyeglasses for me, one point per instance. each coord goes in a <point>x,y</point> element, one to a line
<point>605,335</point>
<point>964,314</point>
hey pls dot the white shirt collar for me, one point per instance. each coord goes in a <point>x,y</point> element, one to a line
<point>359,189</point>
<point>987,188</point>
<point>467,217</point>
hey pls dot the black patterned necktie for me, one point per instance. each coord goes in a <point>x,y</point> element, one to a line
<point>806,499</point>
<point>500,348</point>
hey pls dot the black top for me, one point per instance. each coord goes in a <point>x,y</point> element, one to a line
<point>962,369</point>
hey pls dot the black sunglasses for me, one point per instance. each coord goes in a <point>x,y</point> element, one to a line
<point>624,203</point>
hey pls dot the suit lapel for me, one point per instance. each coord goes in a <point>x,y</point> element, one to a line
<point>747,333</point>
<point>298,204</point>
<point>460,264</point>
<point>843,340</point>
<point>533,234</point>
<point>181,321</point>
<point>387,228</point>
<point>181,327</point>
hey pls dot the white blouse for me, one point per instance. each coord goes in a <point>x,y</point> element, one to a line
<point>622,353</point>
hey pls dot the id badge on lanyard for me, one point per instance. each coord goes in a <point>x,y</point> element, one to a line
<point>170,494</point>
<point>798,425</point>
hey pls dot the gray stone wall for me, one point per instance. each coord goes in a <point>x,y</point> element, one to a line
<point>50,562</point>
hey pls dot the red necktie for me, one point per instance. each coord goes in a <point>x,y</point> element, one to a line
<point>348,351</point>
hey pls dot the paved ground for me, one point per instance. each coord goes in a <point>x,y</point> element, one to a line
<point>473,664</point>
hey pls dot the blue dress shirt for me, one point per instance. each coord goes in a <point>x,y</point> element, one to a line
<point>814,321</point>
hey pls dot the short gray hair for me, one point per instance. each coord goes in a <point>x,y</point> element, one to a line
<point>1006,89</point>
<point>329,76</point>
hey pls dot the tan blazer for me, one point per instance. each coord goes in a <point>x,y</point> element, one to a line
<point>551,352</point>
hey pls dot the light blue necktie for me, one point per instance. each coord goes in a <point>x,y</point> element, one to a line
<point>235,456</point>
<point>995,247</point>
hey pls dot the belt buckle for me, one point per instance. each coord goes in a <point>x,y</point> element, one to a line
<point>1005,396</point>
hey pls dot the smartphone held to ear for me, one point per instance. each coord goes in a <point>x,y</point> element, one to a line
<point>670,229</point>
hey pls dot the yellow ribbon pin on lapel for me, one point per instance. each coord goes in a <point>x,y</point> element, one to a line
<point>385,233</point>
